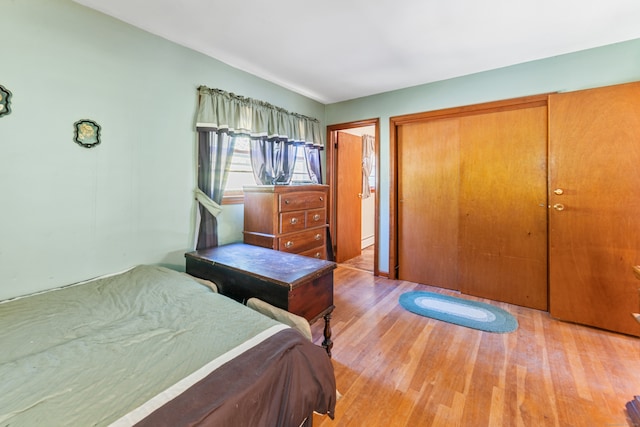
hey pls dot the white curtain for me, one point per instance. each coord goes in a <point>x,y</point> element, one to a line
<point>368,147</point>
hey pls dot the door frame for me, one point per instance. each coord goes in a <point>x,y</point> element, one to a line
<point>397,121</point>
<point>331,168</point>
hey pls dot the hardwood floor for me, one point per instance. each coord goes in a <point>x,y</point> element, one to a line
<point>395,368</point>
<point>362,262</point>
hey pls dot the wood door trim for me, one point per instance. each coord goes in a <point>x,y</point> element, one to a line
<point>331,179</point>
<point>396,121</point>
<point>467,110</point>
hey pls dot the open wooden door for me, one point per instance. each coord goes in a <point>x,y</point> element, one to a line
<point>594,220</point>
<point>348,197</point>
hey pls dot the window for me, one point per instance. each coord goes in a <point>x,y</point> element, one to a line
<point>241,174</point>
<point>300,170</point>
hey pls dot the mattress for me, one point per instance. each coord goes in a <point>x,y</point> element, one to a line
<point>152,346</point>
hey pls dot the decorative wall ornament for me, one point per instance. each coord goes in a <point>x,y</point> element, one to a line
<point>87,133</point>
<point>5,101</point>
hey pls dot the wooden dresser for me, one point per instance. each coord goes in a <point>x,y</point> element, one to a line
<point>288,218</point>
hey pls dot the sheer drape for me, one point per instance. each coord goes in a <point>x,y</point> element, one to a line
<point>276,134</point>
<point>368,147</point>
<point>215,150</point>
<point>312,156</point>
<point>272,161</point>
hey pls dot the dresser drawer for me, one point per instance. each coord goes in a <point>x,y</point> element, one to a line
<point>316,217</point>
<point>292,221</point>
<point>317,253</point>
<point>301,201</point>
<point>302,241</point>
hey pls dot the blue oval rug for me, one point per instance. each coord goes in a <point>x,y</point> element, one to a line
<point>472,314</point>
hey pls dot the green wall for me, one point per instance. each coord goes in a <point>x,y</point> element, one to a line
<point>69,213</point>
<point>613,64</point>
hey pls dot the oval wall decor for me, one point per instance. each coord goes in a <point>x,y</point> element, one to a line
<point>87,133</point>
<point>5,101</point>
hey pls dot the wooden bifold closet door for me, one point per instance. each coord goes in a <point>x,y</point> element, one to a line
<point>502,240</point>
<point>472,203</point>
<point>475,213</point>
<point>428,187</point>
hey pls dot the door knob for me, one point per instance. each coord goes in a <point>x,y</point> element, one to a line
<point>558,191</point>
<point>558,207</point>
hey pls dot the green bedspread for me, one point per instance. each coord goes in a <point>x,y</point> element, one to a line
<point>90,353</point>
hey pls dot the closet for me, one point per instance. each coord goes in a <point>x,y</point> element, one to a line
<point>472,212</point>
<point>529,201</point>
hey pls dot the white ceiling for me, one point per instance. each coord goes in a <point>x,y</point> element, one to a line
<point>335,50</point>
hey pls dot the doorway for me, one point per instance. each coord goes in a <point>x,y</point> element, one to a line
<point>353,216</point>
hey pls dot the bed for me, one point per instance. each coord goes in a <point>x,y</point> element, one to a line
<point>152,346</point>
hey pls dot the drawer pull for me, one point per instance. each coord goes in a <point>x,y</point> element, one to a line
<point>321,198</point>
<point>288,244</point>
<point>317,255</point>
<point>316,217</point>
<point>318,236</point>
<point>286,201</point>
<point>294,221</point>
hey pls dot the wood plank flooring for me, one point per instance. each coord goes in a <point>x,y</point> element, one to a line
<point>395,368</point>
<point>362,262</point>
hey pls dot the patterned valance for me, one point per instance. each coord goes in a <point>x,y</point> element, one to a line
<point>237,115</point>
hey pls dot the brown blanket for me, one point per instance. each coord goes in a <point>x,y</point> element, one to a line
<point>277,384</point>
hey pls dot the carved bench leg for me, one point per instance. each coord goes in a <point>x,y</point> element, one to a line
<point>327,343</point>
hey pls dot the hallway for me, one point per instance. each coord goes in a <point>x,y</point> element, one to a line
<point>362,262</point>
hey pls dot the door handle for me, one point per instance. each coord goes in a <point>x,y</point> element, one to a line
<point>558,207</point>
